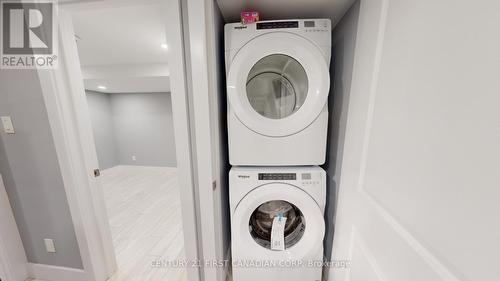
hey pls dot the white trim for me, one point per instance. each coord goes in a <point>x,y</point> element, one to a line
<point>55,273</point>
<point>182,133</point>
<point>12,255</point>
<point>204,97</point>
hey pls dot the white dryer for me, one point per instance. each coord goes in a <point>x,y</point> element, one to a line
<point>257,196</point>
<point>277,87</point>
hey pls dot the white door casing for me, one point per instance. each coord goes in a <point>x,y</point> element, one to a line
<point>180,101</point>
<point>419,193</point>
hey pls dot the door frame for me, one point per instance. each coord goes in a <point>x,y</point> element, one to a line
<point>64,97</point>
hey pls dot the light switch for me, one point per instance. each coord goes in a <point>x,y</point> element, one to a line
<point>8,127</point>
<point>49,245</point>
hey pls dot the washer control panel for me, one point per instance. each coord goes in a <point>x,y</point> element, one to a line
<point>303,178</point>
<point>309,179</point>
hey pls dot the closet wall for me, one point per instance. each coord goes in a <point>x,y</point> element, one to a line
<point>341,66</point>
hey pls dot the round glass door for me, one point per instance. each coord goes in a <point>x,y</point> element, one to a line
<point>277,86</point>
<point>261,222</point>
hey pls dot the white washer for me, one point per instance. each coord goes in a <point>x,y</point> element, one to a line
<point>257,195</point>
<point>277,86</point>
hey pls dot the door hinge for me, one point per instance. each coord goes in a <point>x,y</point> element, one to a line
<point>214,185</point>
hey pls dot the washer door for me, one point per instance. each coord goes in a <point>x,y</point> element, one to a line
<point>278,84</point>
<point>252,222</point>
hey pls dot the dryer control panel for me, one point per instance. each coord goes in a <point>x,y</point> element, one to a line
<point>278,176</point>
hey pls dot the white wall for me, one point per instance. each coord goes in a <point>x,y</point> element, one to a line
<point>425,204</point>
<point>343,44</point>
<point>133,124</point>
<point>436,129</point>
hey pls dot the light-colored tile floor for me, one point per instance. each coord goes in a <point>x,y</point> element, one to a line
<point>143,206</point>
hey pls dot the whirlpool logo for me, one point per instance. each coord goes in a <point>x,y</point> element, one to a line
<point>28,35</point>
<point>243,176</point>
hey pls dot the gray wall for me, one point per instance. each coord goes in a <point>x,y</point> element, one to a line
<point>102,125</point>
<point>133,124</point>
<point>144,127</point>
<point>30,168</point>
<point>343,44</point>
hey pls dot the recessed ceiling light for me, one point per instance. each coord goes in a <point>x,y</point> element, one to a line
<point>164,46</point>
<point>101,87</point>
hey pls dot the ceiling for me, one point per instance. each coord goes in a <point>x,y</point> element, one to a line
<point>127,34</point>
<point>285,9</point>
<point>121,35</point>
<point>112,35</point>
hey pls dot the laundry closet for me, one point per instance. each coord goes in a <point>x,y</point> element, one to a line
<point>394,68</point>
<point>320,126</point>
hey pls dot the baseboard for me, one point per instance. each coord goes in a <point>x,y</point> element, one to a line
<point>56,273</point>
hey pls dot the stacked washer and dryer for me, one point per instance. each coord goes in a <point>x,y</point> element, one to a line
<point>277,88</point>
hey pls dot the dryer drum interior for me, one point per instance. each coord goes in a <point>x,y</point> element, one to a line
<point>261,221</point>
<point>277,86</point>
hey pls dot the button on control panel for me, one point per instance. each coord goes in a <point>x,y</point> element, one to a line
<point>309,179</point>
<point>315,26</point>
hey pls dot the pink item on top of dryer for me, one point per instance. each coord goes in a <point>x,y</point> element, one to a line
<point>249,17</point>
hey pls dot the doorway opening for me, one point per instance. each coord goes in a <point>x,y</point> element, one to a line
<point>122,52</point>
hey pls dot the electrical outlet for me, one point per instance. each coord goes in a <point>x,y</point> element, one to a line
<point>7,125</point>
<point>49,245</point>
<point>134,158</point>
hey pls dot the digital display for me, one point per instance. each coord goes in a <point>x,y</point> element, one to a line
<point>308,23</point>
<point>277,24</point>
<point>277,176</point>
<point>306,176</point>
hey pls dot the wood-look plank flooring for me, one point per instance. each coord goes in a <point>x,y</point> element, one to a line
<point>143,205</point>
<point>144,212</point>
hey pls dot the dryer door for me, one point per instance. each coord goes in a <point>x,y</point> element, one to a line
<point>278,84</point>
<point>253,217</point>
